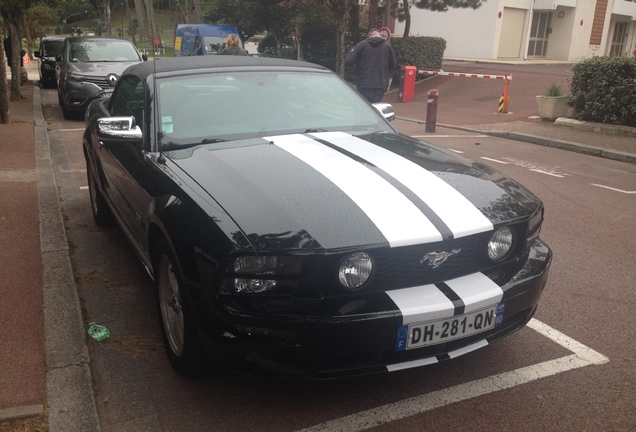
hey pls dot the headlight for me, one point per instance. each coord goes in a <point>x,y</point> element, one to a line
<point>75,77</point>
<point>355,270</point>
<point>259,274</point>
<point>500,244</point>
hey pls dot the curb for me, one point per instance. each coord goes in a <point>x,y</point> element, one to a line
<point>559,144</point>
<point>69,384</point>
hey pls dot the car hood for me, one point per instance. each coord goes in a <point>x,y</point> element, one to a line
<point>99,68</point>
<point>335,191</point>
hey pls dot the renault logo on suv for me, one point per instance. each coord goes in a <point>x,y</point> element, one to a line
<point>112,79</point>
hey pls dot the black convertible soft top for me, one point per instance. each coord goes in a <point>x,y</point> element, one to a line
<point>167,65</point>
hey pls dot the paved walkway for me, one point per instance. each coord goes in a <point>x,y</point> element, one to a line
<point>44,363</point>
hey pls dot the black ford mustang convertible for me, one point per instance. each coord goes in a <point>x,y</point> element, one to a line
<point>291,231</point>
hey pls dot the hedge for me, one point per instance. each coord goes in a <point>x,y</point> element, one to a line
<point>424,52</point>
<point>603,90</point>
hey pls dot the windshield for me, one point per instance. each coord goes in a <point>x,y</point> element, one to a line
<point>103,51</point>
<point>214,107</point>
<point>213,44</point>
<point>51,48</point>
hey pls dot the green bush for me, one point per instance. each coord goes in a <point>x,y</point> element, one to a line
<point>424,52</point>
<point>603,90</point>
<point>554,90</point>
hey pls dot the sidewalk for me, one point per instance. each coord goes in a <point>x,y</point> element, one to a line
<point>44,362</point>
<point>45,375</point>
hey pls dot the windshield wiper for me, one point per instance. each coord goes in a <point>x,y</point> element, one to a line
<point>315,130</point>
<point>212,140</point>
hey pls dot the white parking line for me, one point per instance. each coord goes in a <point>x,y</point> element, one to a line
<point>582,356</point>
<point>613,189</point>
<point>546,173</point>
<point>71,130</point>
<point>495,160</point>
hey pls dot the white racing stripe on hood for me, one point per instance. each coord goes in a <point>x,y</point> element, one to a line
<point>426,303</point>
<point>455,210</point>
<point>397,218</point>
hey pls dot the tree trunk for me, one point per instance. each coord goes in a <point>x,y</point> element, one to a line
<point>373,14</point>
<point>354,23</point>
<point>184,12</point>
<point>28,37</point>
<point>4,100</point>
<point>16,47</point>
<point>128,15</point>
<point>108,16</point>
<point>387,13</point>
<point>407,18</point>
<point>140,11</point>
<point>340,49</point>
<point>198,12</point>
<point>154,31</point>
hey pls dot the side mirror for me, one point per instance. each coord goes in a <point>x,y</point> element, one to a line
<point>58,57</point>
<point>36,54</point>
<point>123,128</point>
<point>386,110</point>
<point>144,57</point>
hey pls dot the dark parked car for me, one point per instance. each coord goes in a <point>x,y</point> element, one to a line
<point>50,47</point>
<point>290,230</point>
<point>89,67</point>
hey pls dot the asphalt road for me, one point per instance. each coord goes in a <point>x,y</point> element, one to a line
<point>571,370</point>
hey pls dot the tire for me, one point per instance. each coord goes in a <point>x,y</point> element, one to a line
<point>101,211</point>
<point>180,338</point>
<point>68,115</point>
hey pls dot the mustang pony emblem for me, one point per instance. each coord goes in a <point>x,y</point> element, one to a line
<point>436,259</point>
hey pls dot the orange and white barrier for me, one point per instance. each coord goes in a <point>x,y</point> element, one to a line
<point>503,105</point>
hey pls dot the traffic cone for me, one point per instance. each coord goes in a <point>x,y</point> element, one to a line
<point>26,60</point>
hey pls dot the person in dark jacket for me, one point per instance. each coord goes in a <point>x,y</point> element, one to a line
<point>374,59</point>
<point>24,75</point>
<point>233,46</point>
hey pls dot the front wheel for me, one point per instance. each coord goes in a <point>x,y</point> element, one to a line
<point>183,346</point>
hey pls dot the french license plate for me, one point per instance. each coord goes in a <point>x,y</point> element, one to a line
<point>419,335</point>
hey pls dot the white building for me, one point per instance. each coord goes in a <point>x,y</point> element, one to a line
<point>566,30</point>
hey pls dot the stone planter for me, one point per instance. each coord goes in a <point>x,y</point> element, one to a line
<point>552,107</point>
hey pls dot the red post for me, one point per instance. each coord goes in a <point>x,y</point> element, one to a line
<point>407,84</point>
<point>431,111</point>
<point>506,96</point>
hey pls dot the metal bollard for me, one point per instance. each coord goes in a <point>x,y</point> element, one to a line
<point>431,111</point>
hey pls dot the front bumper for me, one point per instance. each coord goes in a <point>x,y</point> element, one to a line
<point>78,95</point>
<point>323,347</point>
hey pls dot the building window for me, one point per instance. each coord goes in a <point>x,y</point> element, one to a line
<point>618,39</point>
<point>539,33</point>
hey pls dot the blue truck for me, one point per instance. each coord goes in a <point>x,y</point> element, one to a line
<point>201,39</point>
